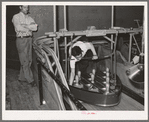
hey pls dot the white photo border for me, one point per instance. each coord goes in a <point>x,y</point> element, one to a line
<point>73,115</point>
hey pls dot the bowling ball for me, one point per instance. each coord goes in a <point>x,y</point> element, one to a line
<point>112,81</point>
<point>140,67</point>
<point>117,89</point>
<point>112,87</point>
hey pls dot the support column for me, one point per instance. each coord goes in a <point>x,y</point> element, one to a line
<point>112,22</point>
<point>65,38</point>
<point>56,46</point>
<point>66,57</point>
<point>136,43</point>
<point>130,45</point>
<point>40,83</point>
<point>115,64</point>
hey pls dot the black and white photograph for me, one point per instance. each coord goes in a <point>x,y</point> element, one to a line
<point>74,60</point>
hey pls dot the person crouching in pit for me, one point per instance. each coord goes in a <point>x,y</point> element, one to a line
<point>79,50</point>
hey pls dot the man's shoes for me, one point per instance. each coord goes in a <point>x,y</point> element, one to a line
<point>22,81</point>
<point>33,84</point>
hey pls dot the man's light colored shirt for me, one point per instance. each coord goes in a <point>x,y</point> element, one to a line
<point>19,20</point>
<point>84,47</point>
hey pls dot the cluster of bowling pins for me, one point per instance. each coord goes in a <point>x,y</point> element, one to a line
<point>92,79</point>
<point>108,81</point>
<point>78,78</point>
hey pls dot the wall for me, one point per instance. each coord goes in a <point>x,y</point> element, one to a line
<point>43,16</point>
<point>10,11</point>
<point>79,17</point>
<point>125,16</point>
<point>11,50</point>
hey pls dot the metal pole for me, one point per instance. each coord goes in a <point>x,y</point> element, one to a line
<point>65,18</point>
<point>54,17</point>
<point>40,83</point>
<point>115,66</point>
<point>65,28</point>
<point>112,17</point>
<point>130,45</point>
<point>66,63</point>
<point>142,49</point>
<point>56,48</point>
<point>112,22</point>
<point>136,43</point>
<point>54,26</point>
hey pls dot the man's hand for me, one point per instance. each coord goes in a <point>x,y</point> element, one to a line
<point>33,26</point>
<point>136,59</point>
<point>95,57</point>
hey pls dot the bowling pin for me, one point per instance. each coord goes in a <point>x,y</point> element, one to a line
<point>107,71</point>
<point>92,78</point>
<point>94,71</point>
<point>79,75</point>
<point>107,88</point>
<point>77,79</point>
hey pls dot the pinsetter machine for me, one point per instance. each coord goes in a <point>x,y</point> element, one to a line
<point>101,88</point>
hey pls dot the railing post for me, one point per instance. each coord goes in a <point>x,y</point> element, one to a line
<point>40,82</point>
<point>130,45</point>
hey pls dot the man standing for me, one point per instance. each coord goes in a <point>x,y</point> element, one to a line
<point>24,26</point>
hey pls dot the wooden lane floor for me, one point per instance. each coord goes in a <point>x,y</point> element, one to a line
<point>21,96</point>
<point>126,103</point>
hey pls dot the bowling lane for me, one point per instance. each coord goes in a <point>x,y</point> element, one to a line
<point>126,103</point>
